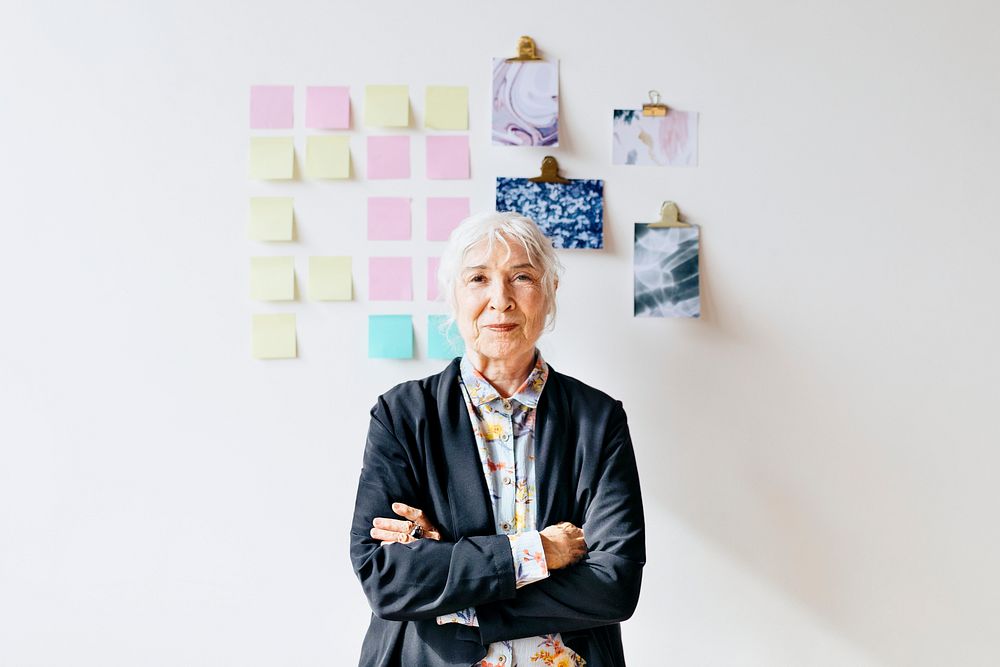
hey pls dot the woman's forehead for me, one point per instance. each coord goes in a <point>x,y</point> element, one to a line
<point>500,255</point>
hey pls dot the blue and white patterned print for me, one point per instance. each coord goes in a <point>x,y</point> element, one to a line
<point>570,214</point>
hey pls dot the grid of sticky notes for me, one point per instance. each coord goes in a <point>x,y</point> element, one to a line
<point>392,216</point>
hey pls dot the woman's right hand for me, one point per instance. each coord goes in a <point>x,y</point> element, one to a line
<point>563,544</point>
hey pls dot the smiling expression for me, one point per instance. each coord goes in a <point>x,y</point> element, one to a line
<point>500,303</point>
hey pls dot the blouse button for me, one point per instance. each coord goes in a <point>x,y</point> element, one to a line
<point>505,526</point>
<point>507,481</point>
<point>506,404</point>
<point>505,437</point>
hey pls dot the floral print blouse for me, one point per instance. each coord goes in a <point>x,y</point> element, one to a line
<point>504,430</point>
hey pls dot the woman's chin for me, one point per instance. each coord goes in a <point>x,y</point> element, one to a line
<point>503,349</point>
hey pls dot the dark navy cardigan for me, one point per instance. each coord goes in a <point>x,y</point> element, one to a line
<point>421,451</point>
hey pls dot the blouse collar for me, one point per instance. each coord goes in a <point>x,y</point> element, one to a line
<point>481,391</point>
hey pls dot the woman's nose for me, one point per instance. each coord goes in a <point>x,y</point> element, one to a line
<point>500,298</point>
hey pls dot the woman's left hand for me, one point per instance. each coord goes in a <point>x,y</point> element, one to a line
<point>399,530</point>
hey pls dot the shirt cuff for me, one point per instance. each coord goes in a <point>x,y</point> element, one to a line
<point>464,617</point>
<point>529,557</point>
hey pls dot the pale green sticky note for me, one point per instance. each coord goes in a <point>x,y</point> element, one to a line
<point>387,106</point>
<point>271,218</point>
<point>272,278</point>
<point>447,108</point>
<point>390,337</point>
<point>272,158</point>
<point>273,336</point>
<point>328,156</point>
<point>443,345</point>
<point>330,279</point>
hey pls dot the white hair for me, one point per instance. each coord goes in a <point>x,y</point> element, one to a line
<point>497,227</point>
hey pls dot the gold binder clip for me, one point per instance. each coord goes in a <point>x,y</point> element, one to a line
<point>550,172</point>
<point>525,50</point>
<point>654,107</point>
<point>670,216</point>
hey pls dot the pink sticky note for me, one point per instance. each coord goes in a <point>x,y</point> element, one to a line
<point>388,219</point>
<point>444,214</point>
<point>433,263</point>
<point>389,157</point>
<point>390,279</point>
<point>271,107</point>
<point>448,157</point>
<point>328,107</point>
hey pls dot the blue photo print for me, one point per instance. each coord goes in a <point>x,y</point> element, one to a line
<point>571,214</point>
<point>666,272</point>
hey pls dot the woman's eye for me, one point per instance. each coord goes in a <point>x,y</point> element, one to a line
<point>478,278</point>
<point>523,277</point>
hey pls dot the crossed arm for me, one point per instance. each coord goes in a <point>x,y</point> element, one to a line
<point>563,543</point>
<point>417,579</point>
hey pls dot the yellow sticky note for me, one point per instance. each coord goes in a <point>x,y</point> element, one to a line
<point>328,156</point>
<point>387,106</point>
<point>272,278</point>
<point>270,219</point>
<point>330,279</point>
<point>447,107</point>
<point>272,158</point>
<point>273,336</point>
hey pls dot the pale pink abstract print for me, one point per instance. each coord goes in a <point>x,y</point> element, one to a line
<point>670,140</point>
<point>675,137</point>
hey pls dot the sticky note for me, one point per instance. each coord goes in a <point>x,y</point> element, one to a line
<point>388,218</point>
<point>330,279</point>
<point>270,219</point>
<point>271,107</point>
<point>444,214</point>
<point>272,278</point>
<point>389,157</point>
<point>443,344</point>
<point>390,279</point>
<point>433,290</point>
<point>448,157</point>
<point>272,158</point>
<point>447,108</point>
<point>328,108</point>
<point>387,106</point>
<point>273,336</point>
<point>328,156</point>
<point>390,337</point>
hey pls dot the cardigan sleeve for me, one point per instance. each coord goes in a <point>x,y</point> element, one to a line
<point>425,578</point>
<point>601,589</point>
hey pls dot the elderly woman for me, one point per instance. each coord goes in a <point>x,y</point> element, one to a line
<point>498,519</point>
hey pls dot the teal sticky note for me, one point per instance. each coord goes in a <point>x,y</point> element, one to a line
<point>446,345</point>
<point>390,336</point>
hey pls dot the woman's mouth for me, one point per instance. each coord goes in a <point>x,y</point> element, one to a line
<point>501,328</point>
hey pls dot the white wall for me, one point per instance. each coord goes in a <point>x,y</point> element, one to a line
<point>818,452</point>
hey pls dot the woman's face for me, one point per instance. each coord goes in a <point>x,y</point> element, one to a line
<point>500,303</point>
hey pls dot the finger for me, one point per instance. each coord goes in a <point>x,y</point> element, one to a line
<point>389,535</point>
<point>412,513</point>
<point>395,525</point>
<point>418,517</point>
